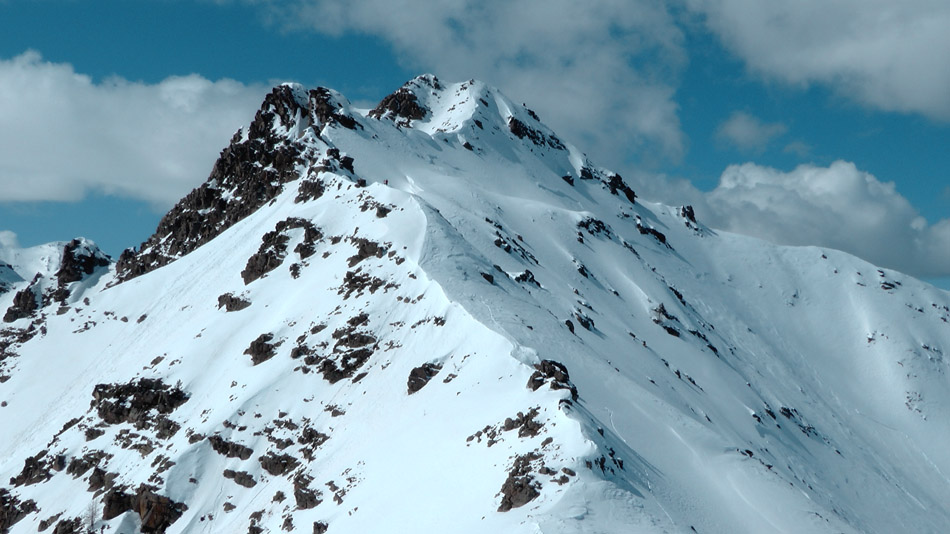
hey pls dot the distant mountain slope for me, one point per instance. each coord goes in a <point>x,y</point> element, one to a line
<point>438,316</point>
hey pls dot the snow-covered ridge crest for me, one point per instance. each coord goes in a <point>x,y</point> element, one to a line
<point>291,138</point>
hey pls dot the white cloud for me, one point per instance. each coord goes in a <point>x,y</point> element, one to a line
<point>748,133</point>
<point>838,206</point>
<point>885,54</point>
<point>8,240</point>
<point>65,135</point>
<point>798,148</point>
<point>601,73</point>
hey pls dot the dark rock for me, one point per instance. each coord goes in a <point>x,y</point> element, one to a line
<point>278,464</point>
<point>583,319</point>
<point>519,488</point>
<point>421,375</point>
<point>305,497</point>
<point>325,110</point>
<point>25,303</point>
<point>688,213</point>
<point>229,449</point>
<point>582,270</point>
<point>527,277</point>
<point>270,255</point>
<point>319,527</point>
<point>527,425</point>
<point>79,466</point>
<point>365,249</point>
<point>156,512</point>
<point>261,350</point>
<point>569,179</point>
<point>248,174</point>
<point>241,478</point>
<point>403,104</point>
<point>35,469</point>
<point>13,510</point>
<point>358,282</point>
<point>488,277</point>
<point>646,230</point>
<point>93,432</point>
<point>554,373</point>
<point>67,526</point>
<point>594,226</point>
<point>309,190</point>
<point>616,184</point>
<point>137,402</point>
<point>314,438</point>
<point>282,104</point>
<point>101,479</point>
<point>662,312</point>
<point>300,351</point>
<point>231,303</point>
<point>522,130</point>
<point>344,365</point>
<point>79,260</point>
<point>115,503</point>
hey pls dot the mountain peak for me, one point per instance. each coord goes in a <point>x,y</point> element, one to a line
<point>442,303</point>
<point>409,102</point>
<point>293,131</point>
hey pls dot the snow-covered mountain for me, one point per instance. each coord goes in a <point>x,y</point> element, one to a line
<point>438,316</point>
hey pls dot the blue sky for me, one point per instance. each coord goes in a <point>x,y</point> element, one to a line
<point>788,122</point>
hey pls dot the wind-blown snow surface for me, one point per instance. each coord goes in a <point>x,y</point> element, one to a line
<point>723,384</point>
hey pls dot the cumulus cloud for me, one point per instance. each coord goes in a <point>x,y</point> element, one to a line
<point>885,54</point>
<point>602,73</point>
<point>838,206</point>
<point>747,133</point>
<point>65,135</point>
<point>8,240</point>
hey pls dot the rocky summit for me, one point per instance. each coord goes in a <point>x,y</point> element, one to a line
<point>437,315</point>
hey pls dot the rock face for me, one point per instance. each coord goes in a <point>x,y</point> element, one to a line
<point>553,373</point>
<point>403,106</point>
<point>273,248</point>
<point>250,172</point>
<point>421,375</point>
<point>145,404</point>
<point>520,487</point>
<point>25,304</point>
<point>232,303</point>
<point>13,509</point>
<point>156,512</point>
<point>261,349</point>
<point>80,259</point>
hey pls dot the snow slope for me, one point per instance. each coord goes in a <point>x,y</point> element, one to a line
<point>351,328</point>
